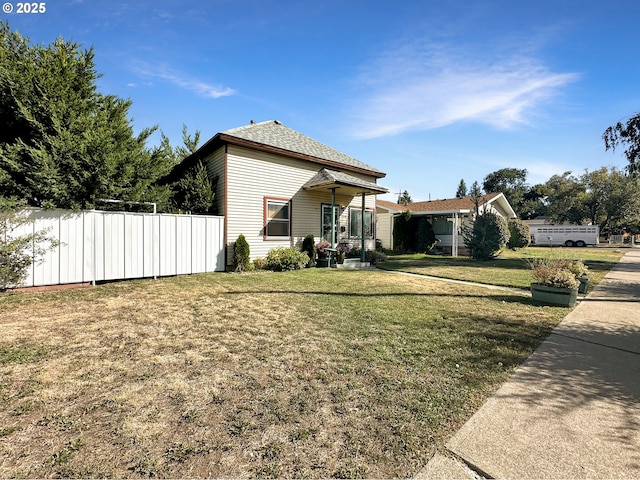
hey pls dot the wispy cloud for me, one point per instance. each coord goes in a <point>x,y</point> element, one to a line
<point>422,86</point>
<point>163,72</point>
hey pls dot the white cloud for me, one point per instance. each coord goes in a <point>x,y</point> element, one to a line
<point>202,88</point>
<point>421,87</point>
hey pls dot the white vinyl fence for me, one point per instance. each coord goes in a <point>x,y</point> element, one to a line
<point>97,245</point>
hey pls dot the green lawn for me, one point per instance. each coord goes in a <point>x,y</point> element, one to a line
<point>510,269</point>
<point>316,373</point>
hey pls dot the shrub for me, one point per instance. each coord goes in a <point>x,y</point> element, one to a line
<point>259,264</point>
<point>487,236</point>
<point>426,239</point>
<point>520,234</point>
<point>402,232</point>
<point>241,254</point>
<point>309,247</point>
<point>375,257</point>
<point>18,252</point>
<point>281,259</point>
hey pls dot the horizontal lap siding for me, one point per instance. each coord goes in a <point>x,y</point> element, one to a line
<point>384,228</point>
<point>215,168</point>
<point>254,175</point>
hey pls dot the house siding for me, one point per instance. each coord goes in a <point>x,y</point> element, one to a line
<point>251,176</point>
<point>215,168</point>
<point>384,228</point>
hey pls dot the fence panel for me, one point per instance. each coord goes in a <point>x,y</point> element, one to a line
<point>97,245</point>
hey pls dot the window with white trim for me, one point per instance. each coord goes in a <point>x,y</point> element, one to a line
<point>277,218</point>
<point>355,223</point>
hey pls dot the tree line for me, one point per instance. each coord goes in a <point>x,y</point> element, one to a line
<point>64,144</point>
<point>606,197</point>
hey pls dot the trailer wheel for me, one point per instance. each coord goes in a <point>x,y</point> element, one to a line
<point>568,243</point>
<point>580,243</point>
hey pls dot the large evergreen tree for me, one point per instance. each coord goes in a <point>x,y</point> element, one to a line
<point>404,198</point>
<point>62,143</point>
<point>462,189</point>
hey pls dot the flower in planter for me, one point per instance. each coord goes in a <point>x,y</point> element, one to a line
<point>341,252</point>
<point>344,248</point>
<point>553,273</point>
<point>579,269</point>
<point>563,279</point>
<point>321,248</point>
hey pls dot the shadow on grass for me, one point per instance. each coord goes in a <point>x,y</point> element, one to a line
<point>516,298</point>
<point>506,263</point>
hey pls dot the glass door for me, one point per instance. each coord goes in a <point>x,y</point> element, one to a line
<point>326,223</point>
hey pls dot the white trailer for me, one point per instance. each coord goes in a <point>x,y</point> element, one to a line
<point>567,235</point>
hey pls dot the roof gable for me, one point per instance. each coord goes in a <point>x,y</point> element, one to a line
<point>273,137</point>
<point>331,179</point>
<point>464,204</point>
<point>274,134</point>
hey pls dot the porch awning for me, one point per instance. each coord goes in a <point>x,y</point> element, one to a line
<point>327,179</point>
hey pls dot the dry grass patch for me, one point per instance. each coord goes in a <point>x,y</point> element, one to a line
<point>315,373</point>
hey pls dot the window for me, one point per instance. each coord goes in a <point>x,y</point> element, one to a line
<point>277,216</point>
<point>355,223</point>
<point>441,226</point>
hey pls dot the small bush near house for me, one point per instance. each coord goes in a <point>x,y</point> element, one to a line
<point>241,254</point>
<point>486,237</point>
<point>281,259</point>
<point>520,234</point>
<point>309,247</point>
<point>259,264</point>
<point>18,252</point>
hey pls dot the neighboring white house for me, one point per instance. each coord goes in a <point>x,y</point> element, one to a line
<point>446,217</point>
<point>275,186</point>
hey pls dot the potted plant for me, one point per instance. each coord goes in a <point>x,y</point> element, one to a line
<point>555,283</point>
<point>581,272</point>
<point>322,250</point>
<point>342,251</point>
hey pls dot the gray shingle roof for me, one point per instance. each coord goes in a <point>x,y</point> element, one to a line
<point>329,178</point>
<point>275,134</point>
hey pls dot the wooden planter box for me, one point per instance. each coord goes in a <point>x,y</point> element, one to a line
<point>556,296</point>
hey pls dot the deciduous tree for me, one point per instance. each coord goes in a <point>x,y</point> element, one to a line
<point>628,135</point>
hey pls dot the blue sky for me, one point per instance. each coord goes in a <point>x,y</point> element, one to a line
<point>431,92</point>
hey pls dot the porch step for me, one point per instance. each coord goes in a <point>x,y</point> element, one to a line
<point>354,264</point>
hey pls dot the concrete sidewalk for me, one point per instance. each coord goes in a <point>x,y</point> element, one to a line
<point>572,410</point>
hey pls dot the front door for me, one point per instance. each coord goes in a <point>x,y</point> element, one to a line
<point>326,223</point>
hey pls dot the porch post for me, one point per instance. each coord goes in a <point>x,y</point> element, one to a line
<point>362,252</point>
<point>454,238</point>
<point>333,222</point>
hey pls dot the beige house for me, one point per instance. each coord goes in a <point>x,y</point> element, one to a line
<point>275,186</point>
<point>446,217</point>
